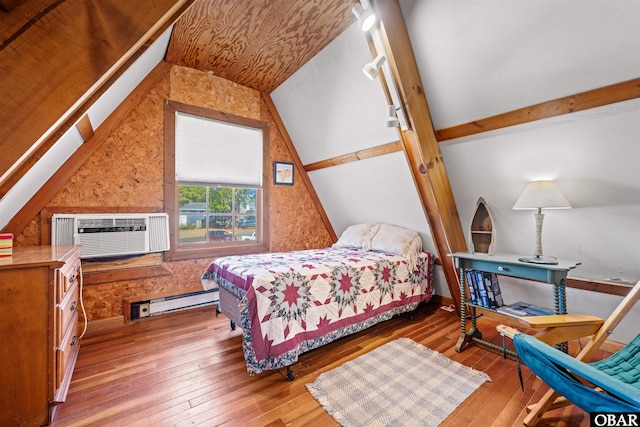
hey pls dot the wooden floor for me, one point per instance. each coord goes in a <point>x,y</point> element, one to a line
<point>187,368</point>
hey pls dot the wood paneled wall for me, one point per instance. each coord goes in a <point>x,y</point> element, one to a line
<point>126,171</point>
<point>57,58</point>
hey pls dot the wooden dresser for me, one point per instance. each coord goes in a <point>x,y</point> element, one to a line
<point>39,299</point>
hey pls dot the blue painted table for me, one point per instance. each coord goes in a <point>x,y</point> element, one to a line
<point>508,265</point>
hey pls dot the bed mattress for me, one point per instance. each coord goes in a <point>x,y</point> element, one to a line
<point>293,302</point>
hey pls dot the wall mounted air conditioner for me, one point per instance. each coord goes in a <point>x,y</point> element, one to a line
<point>110,235</point>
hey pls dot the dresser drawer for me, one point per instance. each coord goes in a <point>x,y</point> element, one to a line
<point>66,352</point>
<point>67,277</point>
<point>67,314</point>
<point>39,331</point>
<point>511,266</point>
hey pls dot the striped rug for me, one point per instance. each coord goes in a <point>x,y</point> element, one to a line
<point>401,383</point>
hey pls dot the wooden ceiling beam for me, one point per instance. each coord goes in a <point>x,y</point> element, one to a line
<point>420,143</point>
<point>367,153</point>
<point>594,98</point>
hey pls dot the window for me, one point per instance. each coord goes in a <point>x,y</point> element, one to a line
<point>214,182</point>
<point>210,214</point>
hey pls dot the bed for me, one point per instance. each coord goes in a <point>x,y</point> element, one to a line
<point>288,303</point>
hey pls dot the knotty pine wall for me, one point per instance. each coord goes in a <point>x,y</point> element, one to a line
<point>127,172</point>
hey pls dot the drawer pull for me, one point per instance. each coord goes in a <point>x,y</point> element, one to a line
<point>74,340</point>
<point>501,268</point>
<point>72,279</point>
<point>73,306</point>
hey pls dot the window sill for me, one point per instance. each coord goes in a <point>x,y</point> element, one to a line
<point>194,252</point>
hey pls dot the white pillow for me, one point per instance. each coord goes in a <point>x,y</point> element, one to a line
<point>397,240</point>
<point>354,237</point>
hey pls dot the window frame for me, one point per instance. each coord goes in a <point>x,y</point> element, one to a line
<point>179,252</point>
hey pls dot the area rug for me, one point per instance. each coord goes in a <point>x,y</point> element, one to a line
<point>401,383</point>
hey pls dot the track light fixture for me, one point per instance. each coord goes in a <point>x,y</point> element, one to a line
<point>371,69</point>
<point>364,14</point>
<point>396,117</point>
<point>392,118</point>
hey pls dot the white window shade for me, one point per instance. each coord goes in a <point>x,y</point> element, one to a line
<point>217,152</point>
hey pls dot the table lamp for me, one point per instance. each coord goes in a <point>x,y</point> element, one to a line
<point>540,195</point>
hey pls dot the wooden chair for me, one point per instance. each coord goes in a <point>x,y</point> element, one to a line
<point>560,328</point>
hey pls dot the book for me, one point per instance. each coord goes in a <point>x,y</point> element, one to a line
<point>6,240</point>
<point>522,309</point>
<point>495,287</point>
<point>471,285</point>
<point>6,245</point>
<point>486,276</point>
<point>483,297</point>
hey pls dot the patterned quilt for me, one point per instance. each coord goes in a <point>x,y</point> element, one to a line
<point>294,302</point>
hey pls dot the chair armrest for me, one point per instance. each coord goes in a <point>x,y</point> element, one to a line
<point>559,328</point>
<point>507,331</point>
<point>560,320</point>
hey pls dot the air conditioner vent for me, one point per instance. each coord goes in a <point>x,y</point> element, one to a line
<point>111,225</point>
<point>108,235</point>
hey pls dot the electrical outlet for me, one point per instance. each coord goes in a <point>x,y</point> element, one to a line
<point>139,310</point>
<point>144,310</point>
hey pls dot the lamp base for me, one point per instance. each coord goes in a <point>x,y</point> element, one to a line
<point>538,260</point>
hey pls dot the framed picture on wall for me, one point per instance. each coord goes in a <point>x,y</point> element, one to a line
<point>283,173</point>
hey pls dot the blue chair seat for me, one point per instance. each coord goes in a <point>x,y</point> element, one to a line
<point>624,364</point>
<point>618,375</point>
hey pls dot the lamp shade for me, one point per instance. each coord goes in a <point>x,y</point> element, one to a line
<point>541,195</point>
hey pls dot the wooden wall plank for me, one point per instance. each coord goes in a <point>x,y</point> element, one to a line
<point>569,104</point>
<point>62,175</point>
<point>25,14</point>
<point>128,274</point>
<point>367,153</point>
<point>59,64</point>
<point>598,286</point>
<point>9,5</point>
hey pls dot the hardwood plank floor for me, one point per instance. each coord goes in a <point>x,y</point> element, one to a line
<point>187,368</point>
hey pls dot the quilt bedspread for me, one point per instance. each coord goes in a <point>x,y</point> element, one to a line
<point>293,302</point>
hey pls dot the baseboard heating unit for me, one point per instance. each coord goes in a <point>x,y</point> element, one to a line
<point>140,309</point>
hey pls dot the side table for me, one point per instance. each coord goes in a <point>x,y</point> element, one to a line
<point>508,265</point>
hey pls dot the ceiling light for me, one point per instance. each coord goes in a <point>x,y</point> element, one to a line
<point>371,69</point>
<point>392,119</point>
<point>366,17</point>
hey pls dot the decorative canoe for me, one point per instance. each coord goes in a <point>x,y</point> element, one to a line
<point>482,233</point>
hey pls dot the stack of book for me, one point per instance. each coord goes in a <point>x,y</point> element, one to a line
<point>484,288</point>
<point>484,291</point>
<point>6,245</point>
<point>522,309</point>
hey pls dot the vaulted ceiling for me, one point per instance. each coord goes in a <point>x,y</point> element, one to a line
<point>258,44</point>
<point>58,56</point>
